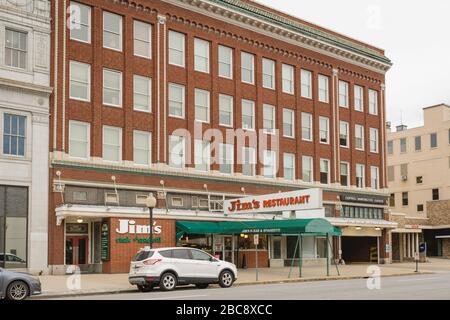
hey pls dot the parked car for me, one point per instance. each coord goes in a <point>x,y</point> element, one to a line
<point>18,285</point>
<point>169,267</point>
<point>11,260</point>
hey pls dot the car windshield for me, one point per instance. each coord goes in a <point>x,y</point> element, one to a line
<point>142,255</point>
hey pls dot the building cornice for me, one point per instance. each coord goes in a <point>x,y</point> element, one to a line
<point>26,86</point>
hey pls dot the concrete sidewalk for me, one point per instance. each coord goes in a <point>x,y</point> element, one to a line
<point>86,284</point>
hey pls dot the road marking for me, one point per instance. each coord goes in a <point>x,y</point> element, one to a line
<point>179,297</point>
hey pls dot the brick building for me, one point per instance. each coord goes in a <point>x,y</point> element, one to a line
<point>139,85</point>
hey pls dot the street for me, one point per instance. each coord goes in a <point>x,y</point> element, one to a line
<point>423,287</point>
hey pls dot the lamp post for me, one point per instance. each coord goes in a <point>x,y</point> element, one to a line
<point>151,203</point>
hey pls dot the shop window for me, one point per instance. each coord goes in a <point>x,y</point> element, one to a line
<point>246,242</point>
<point>321,247</point>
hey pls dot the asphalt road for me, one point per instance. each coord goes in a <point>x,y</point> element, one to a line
<point>421,287</point>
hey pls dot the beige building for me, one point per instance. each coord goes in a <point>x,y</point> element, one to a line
<point>418,170</point>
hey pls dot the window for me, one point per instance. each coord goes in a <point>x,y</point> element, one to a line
<point>374,178</point>
<point>176,151</point>
<point>142,147</point>
<point>307,126</point>
<point>324,89</point>
<point>142,33</point>
<point>80,81</point>
<point>392,200</point>
<point>80,22</point>
<point>269,164</point>
<point>418,143</point>
<point>433,140</point>
<point>198,255</point>
<point>324,171</point>
<point>14,134</point>
<point>287,74</point>
<point>176,100</point>
<point>112,88</point>
<point>176,48</point>
<point>112,31</point>
<point>248,161</point>
<point>373,102</point>
<point>359,137</point>
<point>202,105</point>
<point>225,62</point>
<point>419,179</point>
<point>343,134</point>
<point>269,119</point>
<point>324,130</point>
<point>181,254</point>
<point>112,144</point>
<point>404,171</point>
<point>405,199</point>
<point>343,94</point>
<point>403,145</point>
<point>226,158</point>
<point>359,98</point>
<point>142,87</point>
<point>420,208</point>
<point>288,123</point>
<point>307,169</point>
<point>289,166</point>
<point>344,173</point>
<point>201,55</point>
<point>15,49</point>
<point>268,73</point>
<point>225,110</point>
<point>247,68</point>
<point>306,83</point>
<point>373,140</point>
<point>360,177</point>
<point>435,193</point>
<point>391,173</point>
<point>390,147</point>
<point>202,153</point>
<point>79,139</point>
<point>248,115</point>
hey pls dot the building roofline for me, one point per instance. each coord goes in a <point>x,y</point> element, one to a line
<point>437,105</point>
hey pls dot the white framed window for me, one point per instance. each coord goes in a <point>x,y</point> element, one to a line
<point>176,100</point>
<point>176,48</point>
<point>80,81</point>
<point>248,114</point>
<point>142,98</point>
<point>324,88</point>
<point>287,74</point>
<point>79,139</point>
<point>269,164</point>
<point>343,134</point>
<point>307,123</point>
<point>225,110</point>
<point>306,83</point>
<point>112,144</point>
<point>324,130</point>
<point>360,176</point>
<point>202,154</point>
<point>343,94</point>
<point>288,123</point>
<point>373,102</point>
<point>177,151</point>
<point>374,177</point>
<point>142,34</point>
<point>142,143</point>
<point>289,166</point>
<point>373,140</point>
<point>345,173</point>
<point>324,171</point>
<point>226,158</point>
<point>16,48</point>
<point>112,31</point>
<point>247,68</point>
<point>201,55</point>
<point>268,73</point>
<point>268,119</point>
<point>359,98</point>
<point>14,134</point>
<point>359,137</point>
<point>225,62</point>
<point>112,88</point>
<point>307,169</point>
<point>80,22</point>
<point>202,105</point>
<point>248,161</point>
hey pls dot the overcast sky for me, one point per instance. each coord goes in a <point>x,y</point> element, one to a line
<point>415,35</point>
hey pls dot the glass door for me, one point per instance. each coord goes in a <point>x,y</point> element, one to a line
<point>77,250</point>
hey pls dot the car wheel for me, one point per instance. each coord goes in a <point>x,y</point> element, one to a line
<point>168,281</point>
<point>226,279</point>
<point>17,290</point>
<point>202,285</point>
<point>145,288</point>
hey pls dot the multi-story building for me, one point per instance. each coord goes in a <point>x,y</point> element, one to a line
<point>24,130</point>
<point>136,85</point>
<point>419,182</point>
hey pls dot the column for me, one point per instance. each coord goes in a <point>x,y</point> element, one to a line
<point>404,251</point>
<point>417,242</point>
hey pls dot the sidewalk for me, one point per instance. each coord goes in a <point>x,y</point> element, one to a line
<point>57,286</point>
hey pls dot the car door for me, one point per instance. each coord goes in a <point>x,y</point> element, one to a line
<point>185,266</point>
<point>206,265</point>
<point>1,282</point>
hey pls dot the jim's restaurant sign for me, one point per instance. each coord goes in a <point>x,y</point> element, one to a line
<point>278,202</point>
<point>132,232</point>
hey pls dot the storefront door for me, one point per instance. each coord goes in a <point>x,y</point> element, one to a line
<point>77,250</point>
<point>224,248</point>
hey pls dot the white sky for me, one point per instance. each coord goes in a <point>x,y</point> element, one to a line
<point>415,35</point>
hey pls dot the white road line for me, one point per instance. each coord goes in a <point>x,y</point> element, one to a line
<point>178,297</point>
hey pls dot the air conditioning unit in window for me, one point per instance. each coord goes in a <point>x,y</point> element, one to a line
<point>404,178</point>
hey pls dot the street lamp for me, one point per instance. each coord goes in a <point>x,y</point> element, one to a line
<point>151,203</point>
